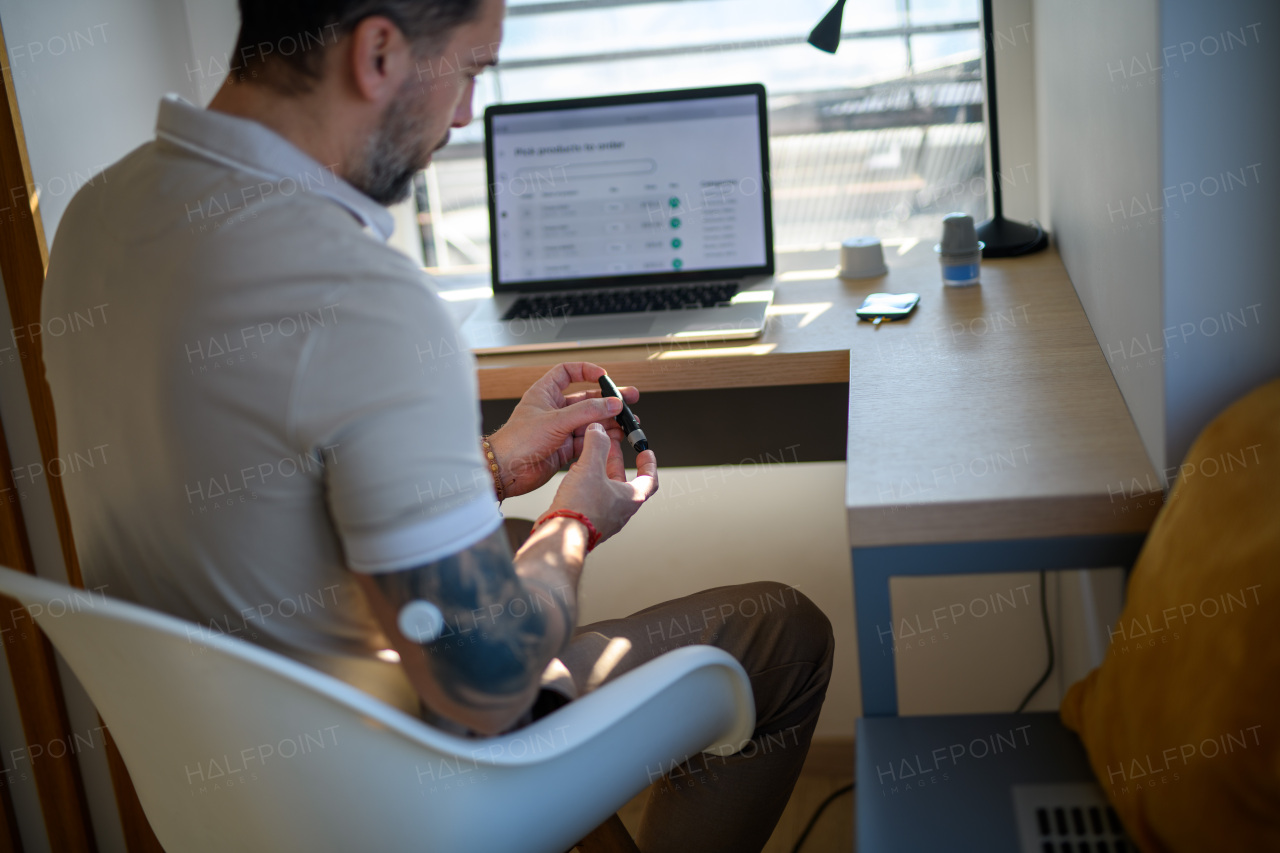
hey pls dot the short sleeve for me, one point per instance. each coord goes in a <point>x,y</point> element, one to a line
<point>387,397</point>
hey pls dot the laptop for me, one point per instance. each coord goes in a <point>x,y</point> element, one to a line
<point>630,219</point>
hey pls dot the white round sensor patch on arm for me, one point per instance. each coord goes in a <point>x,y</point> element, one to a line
<point>421,621</point>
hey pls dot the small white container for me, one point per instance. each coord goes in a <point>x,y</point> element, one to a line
<point>862,257</point>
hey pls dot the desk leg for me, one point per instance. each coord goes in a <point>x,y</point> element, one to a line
<point>872,568</point>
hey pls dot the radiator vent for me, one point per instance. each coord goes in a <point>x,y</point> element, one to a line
<point>1067,819</point>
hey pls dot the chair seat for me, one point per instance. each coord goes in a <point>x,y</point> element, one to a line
<point>233,747</point>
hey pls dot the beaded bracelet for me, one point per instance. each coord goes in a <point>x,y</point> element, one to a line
<point>493,468</point>
<point>593,535</point>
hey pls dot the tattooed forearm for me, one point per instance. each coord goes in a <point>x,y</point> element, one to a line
<point>500,629</point>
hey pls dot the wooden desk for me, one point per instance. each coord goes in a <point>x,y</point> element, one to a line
<point>986,432</point>
<point>806,341</point>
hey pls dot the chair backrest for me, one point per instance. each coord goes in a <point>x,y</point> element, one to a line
<point>233,747</point>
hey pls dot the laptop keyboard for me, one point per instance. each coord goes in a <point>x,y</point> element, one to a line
<point>622,300</point>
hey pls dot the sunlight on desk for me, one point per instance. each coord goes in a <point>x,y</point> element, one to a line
<point>809,275</point>
<point>719,352</point>
<point>810,311</point>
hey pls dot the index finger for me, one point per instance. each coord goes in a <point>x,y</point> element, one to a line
<point>567,373</point>
<point>630,394</point>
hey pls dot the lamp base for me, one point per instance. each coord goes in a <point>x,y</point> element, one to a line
<point>1005,238</point>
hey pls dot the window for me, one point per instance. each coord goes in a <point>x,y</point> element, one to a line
<point>883,138</point>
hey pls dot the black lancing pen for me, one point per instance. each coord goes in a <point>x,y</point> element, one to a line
<point>626,420</point>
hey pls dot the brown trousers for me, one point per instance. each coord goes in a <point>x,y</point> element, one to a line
<point>711,803</point>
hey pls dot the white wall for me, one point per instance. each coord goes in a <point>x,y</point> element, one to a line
<point>1013,25</point>
<point>89,74</point>
<point>213,26</point>
<point>1220,131</point>
<point>1099,138</point>
<point>1158,133</point>
<point>987,648</point>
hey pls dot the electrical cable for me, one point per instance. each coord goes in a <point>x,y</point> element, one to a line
<point>1048,640</point>
<point>814,820</point>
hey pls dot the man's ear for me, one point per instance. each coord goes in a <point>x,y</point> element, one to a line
<point>381,59</point>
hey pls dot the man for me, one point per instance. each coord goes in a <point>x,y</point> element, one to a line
<point>293,427</point>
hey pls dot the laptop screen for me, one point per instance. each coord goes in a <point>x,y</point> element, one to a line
<point>631,189</point>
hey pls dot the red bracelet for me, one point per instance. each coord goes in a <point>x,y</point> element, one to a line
<point>593,535</point>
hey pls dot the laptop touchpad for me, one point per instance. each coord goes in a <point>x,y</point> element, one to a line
<point>590,329</point>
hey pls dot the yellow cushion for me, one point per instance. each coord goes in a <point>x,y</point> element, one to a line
<point>1182,720</point>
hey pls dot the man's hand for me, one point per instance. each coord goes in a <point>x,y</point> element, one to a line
<point>597,486</point>
<point>547,428</point>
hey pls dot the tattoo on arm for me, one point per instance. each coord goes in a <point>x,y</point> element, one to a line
<point>496,638</point>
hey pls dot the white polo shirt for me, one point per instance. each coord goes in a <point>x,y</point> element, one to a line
<point>255,395</point>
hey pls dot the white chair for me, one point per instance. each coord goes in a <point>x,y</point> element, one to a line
<point>233,747</point>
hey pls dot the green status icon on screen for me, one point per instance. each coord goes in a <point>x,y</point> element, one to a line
<point>676,243</point>
<point>675,222</point>
<point>677,263</point>
<point>673,201</point>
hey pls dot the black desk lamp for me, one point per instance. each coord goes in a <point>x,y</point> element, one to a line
<point>826,36</point>
<point>1003,237</point>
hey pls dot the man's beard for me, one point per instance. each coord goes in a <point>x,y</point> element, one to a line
<point>395,153</point>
